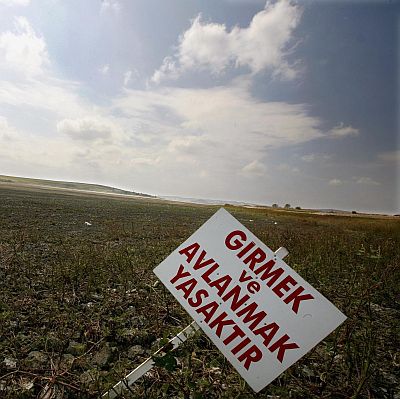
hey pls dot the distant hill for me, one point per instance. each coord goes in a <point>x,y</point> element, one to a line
<point>69,185</point>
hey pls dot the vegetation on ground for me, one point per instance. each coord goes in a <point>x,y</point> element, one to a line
<point>98,188</point>
<point>80,306</point>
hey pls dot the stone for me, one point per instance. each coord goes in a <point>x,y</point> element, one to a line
<point>76,348</point>
<point>90,377</point>
<point>10,363</point>
<point>66,362</point>
<point>135,351</point>
<point>103,356</point>
<point>36,360</point>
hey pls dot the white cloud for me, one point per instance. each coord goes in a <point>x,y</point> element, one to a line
<point>127,77</point>
<point>315,157</point>
<point>254,168</point>
<point>130,75</point>
<point>23,50</point>
<point>186,144</point>
<point>10,3</point>
<point>104,69</point>
<point>26,152</point>
<point>29,87</point>
<point>165,137</point>
<point>335,182</point>
<point>341,131</point>
<point>222,131</point>
<point>246,2</point>
<point>390,156</point>
<point>367,181</point>
<point>308,158</point>
<point>85,128</point>
<point>7,132</point>
<point>110,5</point>
<point>262,45</point>
<point>227,116</point>
<point>168,69</point>
<point>46,95</point>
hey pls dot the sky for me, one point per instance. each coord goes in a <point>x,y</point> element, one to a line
<point>238,100</point>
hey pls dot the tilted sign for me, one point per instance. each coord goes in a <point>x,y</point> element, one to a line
<point>257,310</point>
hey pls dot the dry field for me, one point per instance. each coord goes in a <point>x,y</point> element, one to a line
<point>80,306</point>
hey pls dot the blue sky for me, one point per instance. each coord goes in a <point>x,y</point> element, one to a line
<point>277,102</point>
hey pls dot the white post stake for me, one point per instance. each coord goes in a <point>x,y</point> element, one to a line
<point>281,252</point>
<point>179,339</point>
<point>148,364</point>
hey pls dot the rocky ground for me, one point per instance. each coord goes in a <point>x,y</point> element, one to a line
<point>80,306</point>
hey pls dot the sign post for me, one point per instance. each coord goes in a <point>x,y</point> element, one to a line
<point>257,310</point>
<point>148,364</point>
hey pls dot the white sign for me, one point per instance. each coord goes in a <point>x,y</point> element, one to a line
<point>257,310</point>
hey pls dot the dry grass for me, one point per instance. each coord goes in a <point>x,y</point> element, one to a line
<point>80,307</point>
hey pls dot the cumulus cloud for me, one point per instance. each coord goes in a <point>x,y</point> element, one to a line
<point>223,132</point>
<point>104,69</point>
<point>263,45</point>
<point>23,50</point>
<point>166,136</point>
<point>110,5</point>
<point>237,124</point>
<point>246,2</point>
<point>127,77</point>
<point>10,3</point>
<point>187,144</point>
<point>53,96</point>
<point>335,182</point>
<point>85,128</point>
<point>130,75</point>
<point>254,168</point>
<point>7,132</point>
<point>28,85</point>
<point>24,152</point>
<point>367,181</point>
<point>315,157</point>
<point>341,131</point>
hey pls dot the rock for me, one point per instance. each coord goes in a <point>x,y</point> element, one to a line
<point>137,321</point>
<point>53,343</point>
<point>103,356</point>
<point>66,362</point>
<point>135,350</point>
<point>76,348</point>
<point>36,360</point>
<point>143,338</point>
<point>26,384</point>
<point>90,377</point>
<point>129,333</point>
<point>10,362</point>
<point>51,391</point>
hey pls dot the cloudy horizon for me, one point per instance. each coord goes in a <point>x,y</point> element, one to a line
<point>253,101</point>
